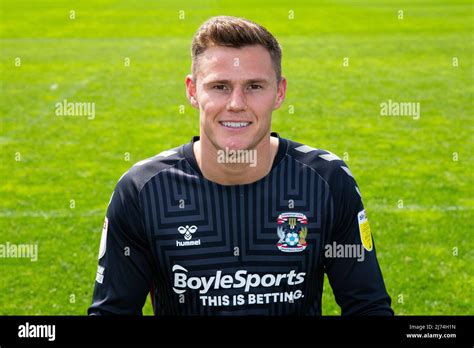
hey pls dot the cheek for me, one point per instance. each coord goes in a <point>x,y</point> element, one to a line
<point>262,104</point>
<point>210,104</point>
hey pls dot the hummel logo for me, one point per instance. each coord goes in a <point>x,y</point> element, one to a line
<point>187,231</point>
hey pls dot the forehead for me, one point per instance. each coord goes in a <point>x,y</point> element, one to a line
<point>229,63</point>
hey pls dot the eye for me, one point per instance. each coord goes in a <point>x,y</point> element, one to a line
<point>255,86</point>
<point>220,87</point>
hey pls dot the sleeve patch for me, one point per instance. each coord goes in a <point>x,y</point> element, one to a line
<point>364,229</point>
<point>103,239</point>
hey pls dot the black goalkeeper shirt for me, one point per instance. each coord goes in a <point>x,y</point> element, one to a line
<point>201,248</point>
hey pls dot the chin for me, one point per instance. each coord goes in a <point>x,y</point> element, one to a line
<point>234,143</point>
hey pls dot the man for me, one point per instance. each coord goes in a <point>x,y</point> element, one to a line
<point>239,221</point>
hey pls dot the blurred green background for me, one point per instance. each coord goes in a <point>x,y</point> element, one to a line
<point>57,173</point>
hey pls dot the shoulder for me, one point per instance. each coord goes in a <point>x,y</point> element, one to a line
<point>133,180</point>
<point>330,167</point>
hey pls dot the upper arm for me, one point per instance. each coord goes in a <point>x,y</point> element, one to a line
<point>124,274</point>
<point>356,280</point>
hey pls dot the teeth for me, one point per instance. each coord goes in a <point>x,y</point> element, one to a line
<point>235,124</point>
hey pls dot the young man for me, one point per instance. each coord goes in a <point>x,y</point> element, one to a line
<point>239,221</point>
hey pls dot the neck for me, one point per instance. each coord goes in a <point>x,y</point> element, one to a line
<point>228,167</point>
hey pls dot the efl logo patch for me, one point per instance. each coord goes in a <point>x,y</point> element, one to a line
<point>292,231</point>
<point>364,229</point>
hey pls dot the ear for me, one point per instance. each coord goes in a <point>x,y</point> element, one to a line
<point>281,93</point>
<point>191,91</point>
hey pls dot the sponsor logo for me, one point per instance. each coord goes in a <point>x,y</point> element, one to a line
<point>292,231</point>
<point>241,279</point>
<point>364,229</point>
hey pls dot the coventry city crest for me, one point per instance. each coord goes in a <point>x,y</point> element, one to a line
<point>292,231</point>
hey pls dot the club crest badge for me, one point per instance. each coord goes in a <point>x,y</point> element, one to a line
<point>292,231</point>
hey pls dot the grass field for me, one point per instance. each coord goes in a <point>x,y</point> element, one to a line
<point>57,172</point>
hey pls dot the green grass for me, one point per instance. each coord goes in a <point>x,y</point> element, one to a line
<point>336,108</point>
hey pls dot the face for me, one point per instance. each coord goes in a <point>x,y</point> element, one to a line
<point>235,90</point>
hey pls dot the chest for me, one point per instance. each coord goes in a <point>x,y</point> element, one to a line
<point>268,225</point>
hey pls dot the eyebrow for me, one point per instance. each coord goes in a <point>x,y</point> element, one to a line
<point>228,82</point>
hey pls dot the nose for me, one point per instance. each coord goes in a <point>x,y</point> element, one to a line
<point>237,101</point>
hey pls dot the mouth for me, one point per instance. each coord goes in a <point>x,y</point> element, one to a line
<point>235,125</point>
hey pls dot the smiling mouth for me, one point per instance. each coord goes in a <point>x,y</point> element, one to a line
<point>235,125</point>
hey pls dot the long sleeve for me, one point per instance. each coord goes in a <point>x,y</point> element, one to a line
<point>124,275</point>
<point>357,282</point>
